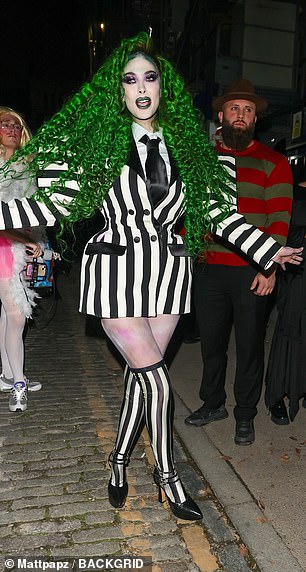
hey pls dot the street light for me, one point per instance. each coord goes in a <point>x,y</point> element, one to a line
<point>95,41</point>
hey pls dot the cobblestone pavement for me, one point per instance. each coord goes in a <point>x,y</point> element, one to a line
<point>54,469</point>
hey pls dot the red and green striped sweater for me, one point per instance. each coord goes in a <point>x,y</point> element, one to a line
<point>264,185</point>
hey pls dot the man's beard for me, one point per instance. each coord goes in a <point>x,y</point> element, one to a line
<point>235,137</point>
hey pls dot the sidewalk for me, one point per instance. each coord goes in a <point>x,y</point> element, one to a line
<point>261,487</point>
<point>54,469</point>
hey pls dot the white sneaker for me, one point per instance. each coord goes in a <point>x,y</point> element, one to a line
<point>18,398</point>
<point>7,384</point>
<point>33,385</point>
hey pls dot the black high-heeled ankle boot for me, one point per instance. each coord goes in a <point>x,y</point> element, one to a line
<point>187,510</point>
<point>117,494</point>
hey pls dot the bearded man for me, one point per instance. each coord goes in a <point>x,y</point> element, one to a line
<point>229,290</point>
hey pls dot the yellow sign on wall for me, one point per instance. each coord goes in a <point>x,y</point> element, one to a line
<point>297,119</point>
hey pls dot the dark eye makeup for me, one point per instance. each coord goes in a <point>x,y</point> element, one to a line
<point>128,78</point>
<point>149,76</point>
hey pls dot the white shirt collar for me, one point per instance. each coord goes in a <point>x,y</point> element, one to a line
<point>139,131</point>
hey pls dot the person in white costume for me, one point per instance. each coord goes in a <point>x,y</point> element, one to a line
<point>16,246</point>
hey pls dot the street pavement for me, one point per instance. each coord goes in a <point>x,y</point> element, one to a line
<point>261,487</point>
<point>54,469</point>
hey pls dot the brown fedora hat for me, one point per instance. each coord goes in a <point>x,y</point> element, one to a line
<point>240,89</point>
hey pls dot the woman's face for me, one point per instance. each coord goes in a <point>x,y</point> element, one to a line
<point>141,84</point>
<point>10,133</point>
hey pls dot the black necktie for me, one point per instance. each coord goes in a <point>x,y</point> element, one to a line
<point>156,172</point>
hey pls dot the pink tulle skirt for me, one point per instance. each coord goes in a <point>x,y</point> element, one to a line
<point>6,258</point>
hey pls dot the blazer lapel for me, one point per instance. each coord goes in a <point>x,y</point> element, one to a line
<point>134,162</point>
<point>174,169</point>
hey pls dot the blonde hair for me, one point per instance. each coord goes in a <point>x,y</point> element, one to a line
<point>26,133</point>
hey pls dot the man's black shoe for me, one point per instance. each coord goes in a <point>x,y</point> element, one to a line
<point>206,415</point>
<point>279,413</point>
<point>245,434</point>
<point>191,338</point>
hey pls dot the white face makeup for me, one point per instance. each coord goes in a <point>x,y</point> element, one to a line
<point>141,84</point>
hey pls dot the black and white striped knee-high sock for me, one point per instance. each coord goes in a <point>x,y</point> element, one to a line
<point>159,409</point>
<point>131,416</point>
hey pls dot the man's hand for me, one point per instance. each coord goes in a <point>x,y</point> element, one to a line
<point>288,254</point>
<point>263,285</point>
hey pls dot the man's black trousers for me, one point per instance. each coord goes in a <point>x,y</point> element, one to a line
<point>223,299</point>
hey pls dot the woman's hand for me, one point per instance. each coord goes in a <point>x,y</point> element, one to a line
<point>33,249</point>
<point>288,254</point>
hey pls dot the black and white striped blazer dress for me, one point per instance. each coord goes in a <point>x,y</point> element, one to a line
<point>137,265</point>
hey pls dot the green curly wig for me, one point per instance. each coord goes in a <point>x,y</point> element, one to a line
<point>92,133</point>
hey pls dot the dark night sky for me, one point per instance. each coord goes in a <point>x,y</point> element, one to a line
<point>40,40</point>
<point>46,41</point>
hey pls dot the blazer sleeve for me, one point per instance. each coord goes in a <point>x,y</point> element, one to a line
<point>248,238</point>
<point>27,212</point>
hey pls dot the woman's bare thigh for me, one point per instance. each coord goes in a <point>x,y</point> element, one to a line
<point>141,341</point>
